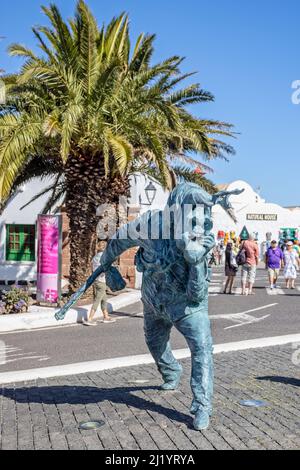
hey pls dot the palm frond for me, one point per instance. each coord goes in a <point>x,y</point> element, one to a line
<point>122,152</point>
<point>186,174</point>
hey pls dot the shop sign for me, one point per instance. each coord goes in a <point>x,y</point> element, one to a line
<point>264,217</point>
<point>49,259</point>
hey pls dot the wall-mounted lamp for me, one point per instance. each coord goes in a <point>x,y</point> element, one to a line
<point>150,191</point>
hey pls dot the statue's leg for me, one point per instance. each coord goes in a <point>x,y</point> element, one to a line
<point>157,335</point>
<point>196,329</point>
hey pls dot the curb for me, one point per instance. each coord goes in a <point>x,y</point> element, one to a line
<point>42,317</point>
<point>141,359</point>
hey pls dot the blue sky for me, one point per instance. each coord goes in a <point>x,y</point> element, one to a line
<point>246,53</point>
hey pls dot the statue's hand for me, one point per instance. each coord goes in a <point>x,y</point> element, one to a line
<point>114,280</point>
<point>209,241</point>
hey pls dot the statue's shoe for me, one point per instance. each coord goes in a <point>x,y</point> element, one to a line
<point>172,385</point>
<point>201,420</point>
<point>196,407</point>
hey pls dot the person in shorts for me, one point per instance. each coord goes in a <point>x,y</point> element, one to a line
<point>296,246</point>
<point>274,261</point>
<point>249,268</point>
<point>100,297</point>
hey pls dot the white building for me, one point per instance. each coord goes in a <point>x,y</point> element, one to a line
<point>254,213</point>
<point>18,227</point>
<point>251,211</point>
<point>18,241</point>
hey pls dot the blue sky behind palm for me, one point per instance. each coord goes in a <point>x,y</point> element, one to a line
<point>246,53</point>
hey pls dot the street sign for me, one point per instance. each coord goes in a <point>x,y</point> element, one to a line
<point>244,235</point>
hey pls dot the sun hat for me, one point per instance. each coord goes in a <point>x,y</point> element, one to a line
<point>290,243</point>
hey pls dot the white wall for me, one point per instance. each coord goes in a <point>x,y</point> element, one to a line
<point>249,202</point>
<point>138,184</point>
<point>11,270</point>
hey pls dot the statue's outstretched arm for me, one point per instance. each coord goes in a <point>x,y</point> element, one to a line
<point>121,241</point>
<point>126,237</point>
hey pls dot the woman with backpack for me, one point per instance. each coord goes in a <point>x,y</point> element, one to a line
<point>231,268</point>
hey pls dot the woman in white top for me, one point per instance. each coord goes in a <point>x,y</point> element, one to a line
<point>291,263</point>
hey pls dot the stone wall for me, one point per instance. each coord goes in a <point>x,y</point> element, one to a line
<point>125,262</point>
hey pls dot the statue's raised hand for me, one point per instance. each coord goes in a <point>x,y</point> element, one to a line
<point>209,241</point>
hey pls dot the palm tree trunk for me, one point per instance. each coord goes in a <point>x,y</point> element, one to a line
<point>87,188</point>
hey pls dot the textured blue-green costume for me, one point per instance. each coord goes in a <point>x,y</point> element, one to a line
<point>175,287</point>
<point>172,256</point>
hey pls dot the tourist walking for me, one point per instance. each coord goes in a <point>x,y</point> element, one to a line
<point>291,264</point>
<point>251,252</point>
<point>274,261</point>
<point>213,259</point>
<point>218,254</point>
<point>221,253</point>
<point>100,296</point>
<point>284,245</point>
<point>231,267</point>
<point>296,246</point>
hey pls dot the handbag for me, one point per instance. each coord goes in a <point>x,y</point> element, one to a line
<point>233,262</point>
<point>241,257</point>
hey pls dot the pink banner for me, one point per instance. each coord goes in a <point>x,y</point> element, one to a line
<point>48,267</point>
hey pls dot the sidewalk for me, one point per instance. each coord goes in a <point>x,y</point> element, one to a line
<point>45,414</point>
<point>41,317</point>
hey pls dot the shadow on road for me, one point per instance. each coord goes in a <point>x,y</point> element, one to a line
<point>58,395</point>
<point>283,380</point>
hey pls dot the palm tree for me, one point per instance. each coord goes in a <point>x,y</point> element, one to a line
<point>90,110</point>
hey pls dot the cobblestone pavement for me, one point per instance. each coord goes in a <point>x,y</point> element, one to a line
<point>45,414</point>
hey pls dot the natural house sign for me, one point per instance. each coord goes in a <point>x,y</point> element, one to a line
<point>264,217</point>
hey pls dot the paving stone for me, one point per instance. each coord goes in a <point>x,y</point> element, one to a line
<point>46,413</point>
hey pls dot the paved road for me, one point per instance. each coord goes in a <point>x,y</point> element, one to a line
<point>46,414</point>
<point>233,318</point>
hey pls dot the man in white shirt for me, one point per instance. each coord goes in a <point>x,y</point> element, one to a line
<point>99,293</point>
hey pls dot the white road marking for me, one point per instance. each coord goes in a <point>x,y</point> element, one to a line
<point>215,289</point>
<point>276,291</point>
<point>33,330</point>
<point>223,315</point>
<point>248,320</point>
<point>8,355</point>
<point>11,355</point>
<point>105,364</point>
<point>2,353</point>
<point>25,359</point>
<point>242,318</point>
